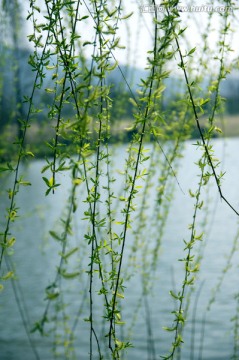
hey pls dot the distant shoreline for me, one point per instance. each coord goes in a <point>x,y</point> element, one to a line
<point>37,135</point>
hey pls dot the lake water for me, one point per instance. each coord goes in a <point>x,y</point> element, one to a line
<point>36,258</point>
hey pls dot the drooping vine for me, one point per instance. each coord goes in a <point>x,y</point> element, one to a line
<point>114,217</point>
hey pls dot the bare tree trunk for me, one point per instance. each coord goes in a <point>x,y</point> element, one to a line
<point>13,13</point>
